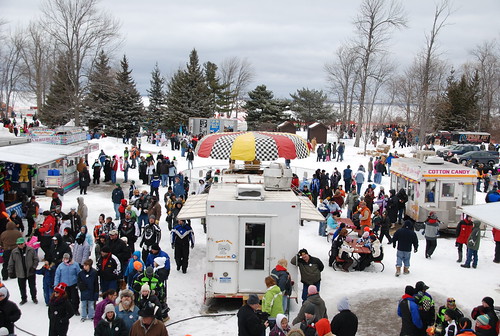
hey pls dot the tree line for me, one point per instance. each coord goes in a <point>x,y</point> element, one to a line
<point>64,60</point>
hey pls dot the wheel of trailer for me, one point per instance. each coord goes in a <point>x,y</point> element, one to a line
<point>491,163</point>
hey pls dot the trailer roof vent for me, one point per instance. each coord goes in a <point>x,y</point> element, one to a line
<point>249,192</point>
<point>277,177</point>
<point>435,160</point>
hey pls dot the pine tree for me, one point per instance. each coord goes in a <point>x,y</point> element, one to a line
<point>263,111</point>
<point>58,109</point>
<point>459,109</point>
<point>311,106</point>
<point>128,109</point>
<point>188,95</point>
<point>98,102</point>
<point>220,96</point>
<point>157,108</point>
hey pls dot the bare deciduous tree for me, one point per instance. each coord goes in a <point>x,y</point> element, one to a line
<point>342,75</point>
<point>236,74</point>
<point>38,54</point>
<point>487,63</point>
<point>428,58</point>
<point>12,69</point>
<point>374,25</point>
<point>80,31</point>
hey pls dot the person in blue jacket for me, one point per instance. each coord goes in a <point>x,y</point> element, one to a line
<point>411,324</point>
<point>88,284</point>
<point>67,272</point>
<point>178,187</point>
<point>181,236</point>
<point>155,253</point>
<point>130,271</point>
<point>48,271</point>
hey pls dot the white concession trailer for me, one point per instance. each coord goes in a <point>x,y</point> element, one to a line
<point>249,229</point>
<point>435,185</point>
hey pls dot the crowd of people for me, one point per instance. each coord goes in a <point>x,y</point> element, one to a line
<point>129,271</point>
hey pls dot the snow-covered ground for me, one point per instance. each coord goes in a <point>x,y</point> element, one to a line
<point>374,295</point>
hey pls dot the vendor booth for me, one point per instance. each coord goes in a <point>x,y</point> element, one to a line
<point>36,167</point>
<point>434,185</point>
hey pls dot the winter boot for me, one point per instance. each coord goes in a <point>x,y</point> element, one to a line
<point>398,270</point>
<point>406,270</point>
<point>460,254</point>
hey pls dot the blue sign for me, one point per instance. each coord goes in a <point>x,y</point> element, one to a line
<point>214,125</point>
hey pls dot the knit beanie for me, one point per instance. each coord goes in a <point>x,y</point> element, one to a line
<point>489,301</point>
<point>310,309</point>
<point>311,290</point>
<point>145,287</point>
<point>483,319</point>
<point>137,266</point>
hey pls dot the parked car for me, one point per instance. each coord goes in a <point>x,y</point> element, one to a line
<point>456,149</point>
<point>489,158</point>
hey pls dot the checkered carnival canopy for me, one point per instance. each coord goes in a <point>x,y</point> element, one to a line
<point>249,146</point>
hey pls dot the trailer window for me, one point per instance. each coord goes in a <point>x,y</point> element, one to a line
<point>430,192</point>
<point>255,234</point>
<point>411,191</point>
<point>448,190</point>
<point>468,194</point>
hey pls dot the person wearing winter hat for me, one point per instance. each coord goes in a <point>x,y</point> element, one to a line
<point>487,308</point>
<point>156,252</point>
<point>310,269</point>
<point>126,309</point>
<point>181,238</point>
<point>67,272</point>
<point>425,303</point>
<point>10,312</point>
<point>345,322</point>
<point>441,323</point>
<point>22,264</point>
<point>109,269</point>
<point>411,323</point>
<point>110,324</point>
<point>473,245</point>
<point>483,326</point>
<point>60,311</point>
<point>315,301</point>
<point>431,232</point>
<point>405,238</point>
<point>307,324</point>
<point>108,297</point>
<point>450,317</point>
<point>281,328</point>
<point>249,322</point>
<point>323,328</point>
<point>146,298</point>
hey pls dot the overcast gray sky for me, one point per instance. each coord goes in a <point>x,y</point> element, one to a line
<point>287,42</point>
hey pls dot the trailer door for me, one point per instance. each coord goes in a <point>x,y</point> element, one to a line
<point>254,253</point>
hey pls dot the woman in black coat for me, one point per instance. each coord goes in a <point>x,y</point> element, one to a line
<point>84,180</point>
<point>392,206</point>
<point>9,312</point>
<point>60,311</point>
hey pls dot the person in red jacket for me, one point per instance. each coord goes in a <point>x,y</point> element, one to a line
<point>496,237</point>
<point>464,228</point>
<point>47,231</point>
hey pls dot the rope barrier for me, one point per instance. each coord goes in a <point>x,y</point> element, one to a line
<point>24,331</point>
<point>199,316</point>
